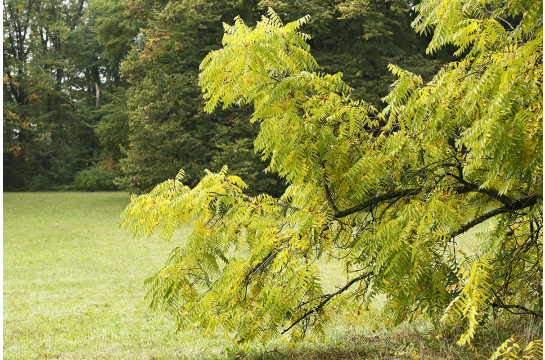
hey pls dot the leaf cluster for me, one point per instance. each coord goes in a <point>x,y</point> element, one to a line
<point>387,193</point>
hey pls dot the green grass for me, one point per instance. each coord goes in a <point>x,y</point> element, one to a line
<point>73,289</point>
<point>73,282</point>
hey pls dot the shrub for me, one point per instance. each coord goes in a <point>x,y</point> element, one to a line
<point>95,179</point>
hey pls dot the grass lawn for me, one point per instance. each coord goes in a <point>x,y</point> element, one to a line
<point>73,289</point>
<point>73,282</point>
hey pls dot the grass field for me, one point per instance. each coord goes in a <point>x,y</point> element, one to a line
<point>73,289</point>
<point>73,282</point>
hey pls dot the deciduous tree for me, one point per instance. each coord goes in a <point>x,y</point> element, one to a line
<point>168,127</point>
<point>387,193</point>
<point>54,72</point>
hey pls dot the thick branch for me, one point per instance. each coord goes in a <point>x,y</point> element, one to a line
<point>327,298</point>
<point>519,204</point>
<point>10,36</point>
<point>78,15</point>
<point>27,20</point>
<point>490,192</point>
<point>510,204</point>
<point>376,200</point>
<point>97,102</point>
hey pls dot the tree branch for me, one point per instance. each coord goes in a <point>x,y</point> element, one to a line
<point>519,204</point>
<point>376,200</point>
<point>328,193</point>
<point>502,19</point>
<point>327,298</point>
<point>490,192</point>
<point>248,199</point>
<point>509,203</point>
<point>78,15</point>
<point>526,311</point>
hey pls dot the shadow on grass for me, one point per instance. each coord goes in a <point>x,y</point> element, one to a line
<point>404,342</point>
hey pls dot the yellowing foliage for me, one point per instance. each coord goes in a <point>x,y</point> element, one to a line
<point>386,193</point>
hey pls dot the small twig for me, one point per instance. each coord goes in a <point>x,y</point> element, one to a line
<point>328,193</point>
<point>502,19</point>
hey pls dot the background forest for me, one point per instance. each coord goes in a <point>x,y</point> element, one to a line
<point>103,94</point>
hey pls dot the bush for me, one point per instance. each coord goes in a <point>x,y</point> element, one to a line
<point>95,179</point>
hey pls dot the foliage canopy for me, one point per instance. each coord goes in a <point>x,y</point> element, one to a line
<point>387,193</point>
<point>168,127</point>
<point>55,68</point>
<point>115,83</point>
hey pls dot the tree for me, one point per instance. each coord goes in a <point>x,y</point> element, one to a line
<point>113,127</point>
<point>115,31</point>
<point>360,38</point>
<point>54,73</point>
<point>168,128</point>
<point>388,193</point>
<point>39,155</point>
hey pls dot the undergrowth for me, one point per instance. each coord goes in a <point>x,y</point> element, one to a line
<point>409,341</point>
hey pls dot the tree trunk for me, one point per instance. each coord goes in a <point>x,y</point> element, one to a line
<point>97,102</point>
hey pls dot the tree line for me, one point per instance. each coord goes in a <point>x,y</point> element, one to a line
<point>111,86</point>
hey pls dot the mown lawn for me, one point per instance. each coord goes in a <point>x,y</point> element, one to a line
<point>73,289</point>
<point>73,282</point>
